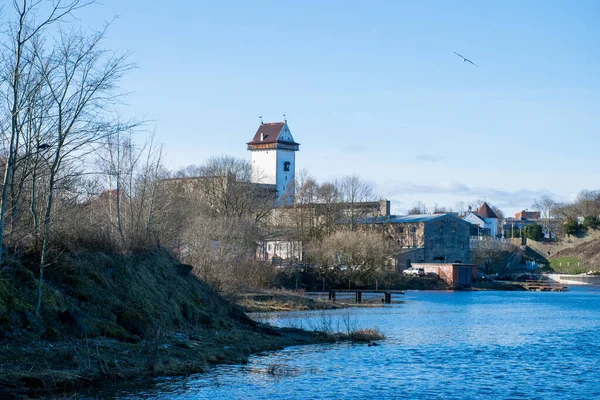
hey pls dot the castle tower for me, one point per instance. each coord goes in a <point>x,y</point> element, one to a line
<point>274,158</point>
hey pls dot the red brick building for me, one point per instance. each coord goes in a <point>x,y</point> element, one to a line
<point>527,215</point>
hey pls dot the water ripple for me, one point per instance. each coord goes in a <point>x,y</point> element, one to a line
<point>440,345</point>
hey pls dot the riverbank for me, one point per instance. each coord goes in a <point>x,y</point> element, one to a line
<point>53,367</point>
<point>112,317</point>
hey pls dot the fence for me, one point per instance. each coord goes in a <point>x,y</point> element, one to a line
<point>475,242</point>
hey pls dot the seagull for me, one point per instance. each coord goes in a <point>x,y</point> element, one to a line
<point>465,59</point>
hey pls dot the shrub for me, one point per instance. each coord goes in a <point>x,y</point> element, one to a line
<point>591,221</point>
<point>572,227</point>
<point>533,232</point>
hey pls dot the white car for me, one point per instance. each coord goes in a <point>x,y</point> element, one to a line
<point>414,271</point>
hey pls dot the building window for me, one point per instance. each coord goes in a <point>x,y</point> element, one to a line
<point>270,247</point>
<point>454,229</point>
<point>441,229</point>
<point>413,229</point>
<point>286,166</point>
<point>462,245</point>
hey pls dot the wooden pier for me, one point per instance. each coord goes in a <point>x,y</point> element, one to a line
<point>543,286</point>
<point>387,294</point>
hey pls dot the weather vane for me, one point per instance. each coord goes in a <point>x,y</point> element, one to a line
<point>261,120</point>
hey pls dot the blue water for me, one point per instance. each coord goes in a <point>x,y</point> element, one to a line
<point>439,345</point>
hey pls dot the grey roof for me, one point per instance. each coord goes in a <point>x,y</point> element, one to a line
<point>396,219</point>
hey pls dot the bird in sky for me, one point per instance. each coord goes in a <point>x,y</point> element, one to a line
<point>465,59</point>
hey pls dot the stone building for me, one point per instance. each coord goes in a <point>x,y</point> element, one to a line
<point>436,238</point>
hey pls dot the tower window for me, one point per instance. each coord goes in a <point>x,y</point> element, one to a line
<point>286,166</point>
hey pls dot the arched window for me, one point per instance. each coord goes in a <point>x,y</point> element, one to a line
<point>286,166</point>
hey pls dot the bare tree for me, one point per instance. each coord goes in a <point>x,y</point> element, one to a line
<point>588,203</point>
<point>349,256</point>
<point>328,209</point>
<point>418,209</point>
<point>546,206</point>
<point>491,255</point>
<point>354,190</point>
<point>17,82</point>
<point>82,79</point>
<point>227,188</point>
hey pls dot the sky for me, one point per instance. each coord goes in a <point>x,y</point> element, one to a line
<point>375,89</point>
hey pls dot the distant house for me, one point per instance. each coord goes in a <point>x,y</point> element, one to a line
<point>435,238</point>
<point>278,249</point>
<point>516,225</point>
<point>453,274</point>
<point>485,220</point>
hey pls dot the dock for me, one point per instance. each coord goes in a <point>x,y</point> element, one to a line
<point>387,294</point>
<point>543,286</point>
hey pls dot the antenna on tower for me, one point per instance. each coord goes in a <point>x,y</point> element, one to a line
<point>261,120</point>
<point>284,118</point>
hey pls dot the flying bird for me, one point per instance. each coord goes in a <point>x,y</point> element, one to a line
<point>465,59</point>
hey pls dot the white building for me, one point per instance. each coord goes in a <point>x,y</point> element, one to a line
<point>278,249</point>
<point>274,158</point>
<point>485,218</point>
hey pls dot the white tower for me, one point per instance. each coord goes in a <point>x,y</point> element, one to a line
<point>274,158</point>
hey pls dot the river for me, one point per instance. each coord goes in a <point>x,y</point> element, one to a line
<point>439,345</point>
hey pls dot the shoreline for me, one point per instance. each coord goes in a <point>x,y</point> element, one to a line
<point>65,366</point>
<point>289,300</point>
<point>69,364</point>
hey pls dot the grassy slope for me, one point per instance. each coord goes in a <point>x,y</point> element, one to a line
<point>109,316</point>
<point>566,253</point>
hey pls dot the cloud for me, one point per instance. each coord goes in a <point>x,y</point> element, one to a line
<point>427,158</point>
<point>448,193</point>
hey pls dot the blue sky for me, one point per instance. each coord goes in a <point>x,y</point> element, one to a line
<point>374,89</point>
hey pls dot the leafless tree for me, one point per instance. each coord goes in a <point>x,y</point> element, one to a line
<point>349,256</point>
<point>354,190</point>
<point>491,255</point>
<point>82,79</point>
<point>134,172</point>
<point>437,209</point>
<point>546,205</point>
<point>418,209</point>
<point>18,83</point>
<point>588,203</point>
<point>328,209</point>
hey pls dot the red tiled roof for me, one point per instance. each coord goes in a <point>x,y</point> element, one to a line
<point>486,211</point>
<point>270,133</point>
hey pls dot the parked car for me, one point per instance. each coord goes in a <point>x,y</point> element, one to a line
<point>483,277</point>
<point>501,277</point>
<point>414,271</point>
